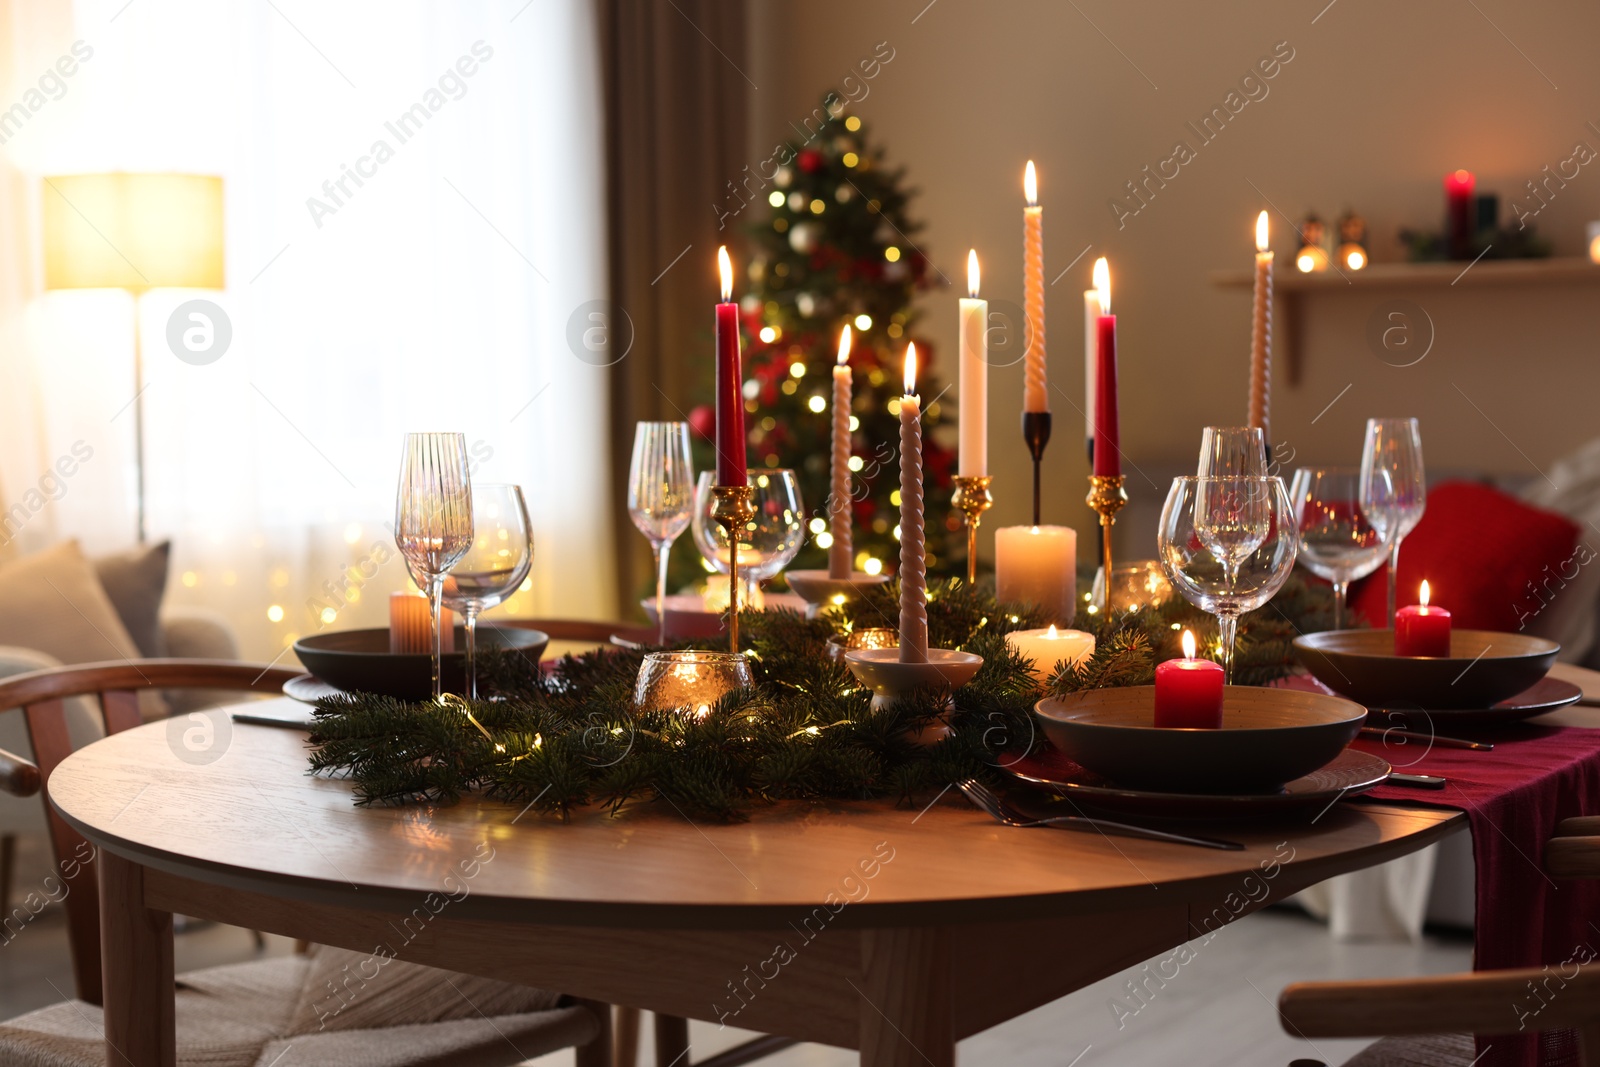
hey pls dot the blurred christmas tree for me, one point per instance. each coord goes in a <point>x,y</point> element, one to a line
<point>837,249</point>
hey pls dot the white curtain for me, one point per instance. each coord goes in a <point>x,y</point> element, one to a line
<point>414,212</point>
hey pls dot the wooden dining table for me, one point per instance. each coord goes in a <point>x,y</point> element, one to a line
<point>893,928</point>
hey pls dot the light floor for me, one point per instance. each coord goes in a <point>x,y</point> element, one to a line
<point>1219,1010</point>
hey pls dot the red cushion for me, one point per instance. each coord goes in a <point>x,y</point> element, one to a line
<point>1479,549</point>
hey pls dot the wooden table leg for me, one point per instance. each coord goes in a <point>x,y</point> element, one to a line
<point>626,1037</point>
<point>136,965</point>
<point>908,1012</point>
<point>672,1041</point>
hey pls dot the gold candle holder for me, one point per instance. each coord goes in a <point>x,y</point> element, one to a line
<point>972,498</point>
<point>732,508</point>
<point>1107,497</point>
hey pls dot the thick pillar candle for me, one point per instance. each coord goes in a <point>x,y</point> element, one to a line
<point>1422,630</point>
<point>1038,565</point>
<point>1189,691</point>
<point>1046,648</point>
<point>913,565</point>
<point>1035,388</point>
<point>1107,451</point>
<point>730,383</point>
<point>1091,350</point>
<point>1261,334</point>
<point>411,626</point>
<point>842,550</point>
<point>974,314</point>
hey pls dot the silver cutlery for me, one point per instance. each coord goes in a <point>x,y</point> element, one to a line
<point>1381,732</point>
<point>989,801</point>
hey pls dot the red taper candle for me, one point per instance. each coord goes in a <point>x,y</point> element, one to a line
<point>730,383</point>
<point>1107,454</point>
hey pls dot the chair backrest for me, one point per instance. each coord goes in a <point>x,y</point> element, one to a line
<point>40,695</point>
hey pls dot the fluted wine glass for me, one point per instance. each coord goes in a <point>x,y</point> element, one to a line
<point>1394,493</point>
<point>661,496</point>
<point>1227,545</point>
<point>491,570</point>
<point>433,516</point>
<point>1337,540</point>
<point>1232,452</point>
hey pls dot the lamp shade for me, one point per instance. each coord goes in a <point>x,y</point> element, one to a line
<point>133,231</point>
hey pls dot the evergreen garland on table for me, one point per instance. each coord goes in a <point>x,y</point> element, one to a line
<point>806,731</point>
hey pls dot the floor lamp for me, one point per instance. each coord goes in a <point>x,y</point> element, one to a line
<point>134,232</point>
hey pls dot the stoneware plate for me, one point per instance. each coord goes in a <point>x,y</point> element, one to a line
<point>1546,695</point>
<point>1268,737</point>
<point>360,660</point>
<point>1351,772</point>
<point>1484,667</point>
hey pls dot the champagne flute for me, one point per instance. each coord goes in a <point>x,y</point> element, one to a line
<point>1337,540</point>
<point>491,570</point>
<point>661,496</point>
<point>1195,537</point>
<point>433,516</point>
<point>1232,451</point>
<point>1393,493</point>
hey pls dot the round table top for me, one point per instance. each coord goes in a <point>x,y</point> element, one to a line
<point>245,812</point>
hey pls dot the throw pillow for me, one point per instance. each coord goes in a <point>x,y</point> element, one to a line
<point>135,580</point>
<point>1492,560</point>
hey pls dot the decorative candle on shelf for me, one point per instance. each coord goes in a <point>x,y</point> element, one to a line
<point>1460,210</point>
<point>1189,691</point>
<point>730,383</point>
<point>913,563</point>
<point>1261,332</point>
<point>1422,630</point>
<point>842,550</point>
<point>1594,242</point>
<point>411,626</point>
<point>1312,256</point>
<point>1035,388</point>
<point>974,384</point>
<point>1038,565</point>
<point>1046,648</point>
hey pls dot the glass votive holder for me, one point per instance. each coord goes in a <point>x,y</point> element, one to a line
<point>1135,586</point>
<point>867,637</point>
<point>692,680</point>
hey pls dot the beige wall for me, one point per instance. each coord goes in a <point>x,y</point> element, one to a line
<point>1377,104</point>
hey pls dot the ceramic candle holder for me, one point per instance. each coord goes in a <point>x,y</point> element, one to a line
<point>880,670</point>
<point>819,591</point>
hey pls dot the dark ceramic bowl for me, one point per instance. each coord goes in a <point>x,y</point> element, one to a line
<point>1484,667</point>
<point>1268,737</point>
<point>360,660</point>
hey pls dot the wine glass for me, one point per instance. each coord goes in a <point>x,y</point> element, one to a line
<point>770,540</point>
<point>1337,540</point>
<point>1393,492</point>
<point>1232,451</point>
<point>660,496</point>
<point>499,559</point>
<point>1203,525</point>
<point>433,516</point>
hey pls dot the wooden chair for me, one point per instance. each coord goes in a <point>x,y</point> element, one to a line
<point>231,1014</point>
<point>1431,1020</point>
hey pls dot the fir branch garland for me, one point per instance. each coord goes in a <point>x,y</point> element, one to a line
<point>569,737</point>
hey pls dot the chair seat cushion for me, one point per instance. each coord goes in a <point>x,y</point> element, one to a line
<point>245,1015</point>
<point>1432,1050</point>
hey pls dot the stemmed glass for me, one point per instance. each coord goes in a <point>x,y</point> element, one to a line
<point>661,496</point>
<point>1337,540</point>
<point>499,559</point>
<point>433,516</point>
<point>1393,492</point>
<point>1227,545</point>
<point>1232,452</point>
<point>773,537</point>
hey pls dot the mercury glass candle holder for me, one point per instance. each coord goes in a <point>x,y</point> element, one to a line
<point>1133,586</point>
<point>690,681</point>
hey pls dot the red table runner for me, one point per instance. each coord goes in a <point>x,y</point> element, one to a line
<point>1513,796</point>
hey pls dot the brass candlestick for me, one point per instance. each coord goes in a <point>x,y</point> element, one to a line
<point>732,508</point>
<point>1107,497</point>
<point>972,499</point>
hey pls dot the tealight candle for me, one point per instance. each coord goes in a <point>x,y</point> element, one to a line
<point>1421,630</point>
<point>1189,691</point>
<point>1046,648</point>
<point>1038,565</point>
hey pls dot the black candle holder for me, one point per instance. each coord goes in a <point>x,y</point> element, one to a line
<point>1036,432</point>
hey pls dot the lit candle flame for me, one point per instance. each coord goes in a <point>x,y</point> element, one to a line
<point>972,272</point>
<point>911,369</point>
<point>1052,635</point>
<point>1030,185</point>
<point>1102,283</point>
<point>725,267</point>
<point>844,345</point>
<point>1261,232</point>
<point>1423,596</point>
<point>1188,645</point>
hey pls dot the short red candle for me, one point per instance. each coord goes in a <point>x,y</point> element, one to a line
<point>1460,211</point>
<point>1189,691</point>
<point>1422,630</point>
<point>730,384</point>
<point>1107,454</point>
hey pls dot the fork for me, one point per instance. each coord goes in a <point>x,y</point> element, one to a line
<point>989,801</point>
